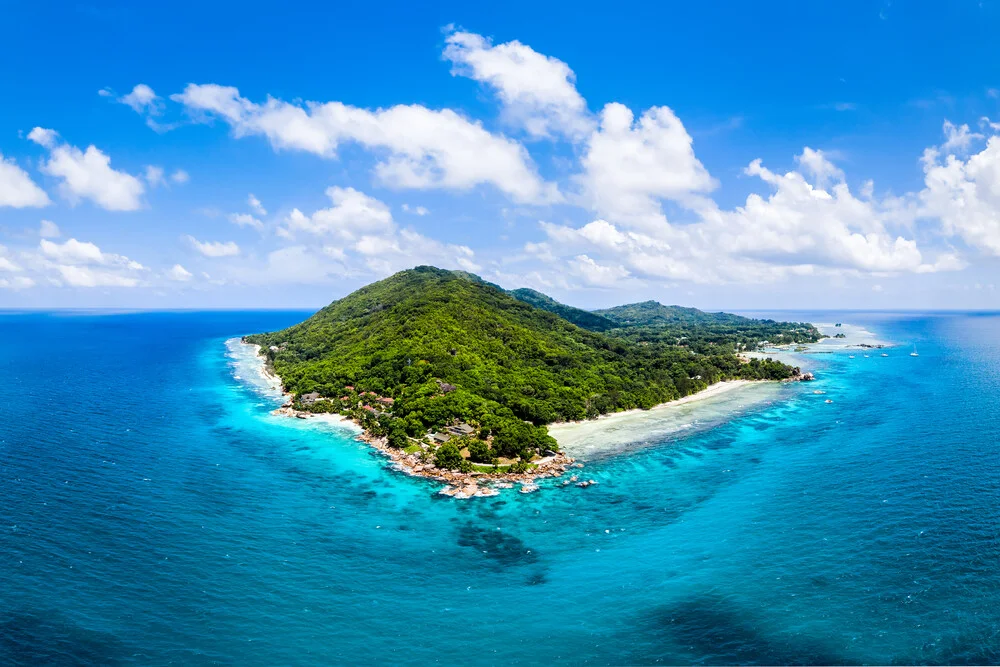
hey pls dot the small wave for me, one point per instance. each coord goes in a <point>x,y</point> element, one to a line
<point>248,369</point>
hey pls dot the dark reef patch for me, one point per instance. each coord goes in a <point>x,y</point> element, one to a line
<point>48,638</point>
<point>500,550</point>
<point>710,630</point>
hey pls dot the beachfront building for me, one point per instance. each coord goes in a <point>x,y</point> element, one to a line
<point>310,398</point>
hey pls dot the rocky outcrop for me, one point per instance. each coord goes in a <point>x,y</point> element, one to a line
<point>472,484</point>
<point>457,484</point>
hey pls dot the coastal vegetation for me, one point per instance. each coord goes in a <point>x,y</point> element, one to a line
<point>473,373</point>
<point>705,333</point>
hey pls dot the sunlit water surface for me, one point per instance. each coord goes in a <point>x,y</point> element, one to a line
<point>152,511</point>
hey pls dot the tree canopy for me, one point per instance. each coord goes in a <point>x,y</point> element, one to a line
<point>448,347</point>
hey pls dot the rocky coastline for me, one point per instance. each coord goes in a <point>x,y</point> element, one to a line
<point>458,484</point>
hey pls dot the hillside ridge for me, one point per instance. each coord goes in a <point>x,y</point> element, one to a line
<point>426,349</point>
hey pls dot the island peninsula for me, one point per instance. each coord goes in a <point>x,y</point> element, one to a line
<point>455,378</point>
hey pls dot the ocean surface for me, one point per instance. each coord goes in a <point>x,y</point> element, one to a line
<point>152,511</point>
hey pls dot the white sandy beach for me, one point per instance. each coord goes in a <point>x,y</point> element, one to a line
<point>334,420</point>
<point>706,393</point>
<point>251,369</point>
<point>634,429</point>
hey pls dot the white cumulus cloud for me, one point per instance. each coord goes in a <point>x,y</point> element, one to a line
<point>965,195</point>
<point>17,190</point>
<point>255,205</point>
<point>245,220</point>
<point>419,148</point>
<point>353,214</point>
<point>214,248</point>
<point>88,175</point>
<point>72,251</point>
<point>958,138</point>
<point>142,99</point>
<point>44,137</point>
<point>629,166</point>
<point>416,210</point>
<point>16,283</point>
<point>798,229</point>
<point>86,276</point>
<point>49,230</point>
<point>538,92</point>
<point>83,264</point>
<point>154,176</point>
<point>179,273</point>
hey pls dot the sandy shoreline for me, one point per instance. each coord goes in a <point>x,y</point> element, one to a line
<point>717,403</point>
<point>457,484</point>
<point>710,391</point>
<point>633,429</point>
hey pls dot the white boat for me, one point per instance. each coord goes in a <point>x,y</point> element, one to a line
<point>914,353</point>
<point>850,356</point>
<point>884,354</point>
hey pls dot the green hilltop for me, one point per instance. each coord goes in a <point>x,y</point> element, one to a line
<point>449,348</point>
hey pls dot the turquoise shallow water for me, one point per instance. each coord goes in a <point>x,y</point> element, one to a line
<point>153,512</point>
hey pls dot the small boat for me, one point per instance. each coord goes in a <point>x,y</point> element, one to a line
<point>828,401</point>
<point>914,353</point>
<point>866,356</point>
<point>884,354</point>
<point>851,356</point>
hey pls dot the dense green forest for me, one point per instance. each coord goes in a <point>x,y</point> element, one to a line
<point>448,347</point>
<point>581,318</point>
<point>706,333</point>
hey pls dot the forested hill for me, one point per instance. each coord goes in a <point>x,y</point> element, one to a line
<point>448,347</point>
<point>651,321</point>
<point>654,313</point>
<point>581,318</point>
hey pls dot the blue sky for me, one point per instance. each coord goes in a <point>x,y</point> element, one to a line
<point>722,155</point>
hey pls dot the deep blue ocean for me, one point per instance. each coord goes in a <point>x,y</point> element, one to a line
<point>152,511</point>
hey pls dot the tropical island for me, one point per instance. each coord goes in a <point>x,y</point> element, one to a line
<point>455,378</point>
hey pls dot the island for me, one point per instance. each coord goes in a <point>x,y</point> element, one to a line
<point>455,378</point>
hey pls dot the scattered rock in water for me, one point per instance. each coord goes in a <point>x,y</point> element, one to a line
<point>457,484</point>
<point>468,491</point>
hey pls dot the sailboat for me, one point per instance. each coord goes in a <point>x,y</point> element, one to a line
<point>914,353</point>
